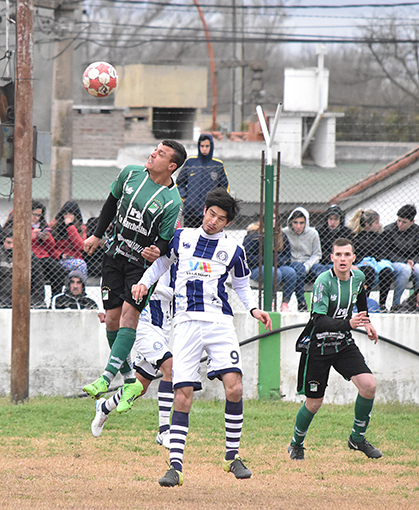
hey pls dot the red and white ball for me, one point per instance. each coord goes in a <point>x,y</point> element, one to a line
<point>100,79</point>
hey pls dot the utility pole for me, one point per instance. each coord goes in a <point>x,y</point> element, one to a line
<point>23,164</point>
<point>237,73</point>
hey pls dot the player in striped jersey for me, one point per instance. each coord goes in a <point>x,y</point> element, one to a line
<point>327,342</point>
<point>144,207</point>
<point>152,347</point>
<point>203,320</point>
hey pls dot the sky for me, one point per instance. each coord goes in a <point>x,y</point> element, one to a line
<point>323,18</point>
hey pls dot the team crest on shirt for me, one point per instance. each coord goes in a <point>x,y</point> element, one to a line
<point>333,297</point>
<point>157,346</point>
<point>154,207</point>
<point>186,246</point>
<point>214,176</point>
<point>129,190</point>
<point>221,255</point>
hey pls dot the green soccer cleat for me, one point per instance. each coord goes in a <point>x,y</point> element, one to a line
<point>97,388</point>
<point>171,478</point>
<point>130,392</point>
<point>237,467</point>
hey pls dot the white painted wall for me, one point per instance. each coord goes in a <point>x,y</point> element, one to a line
<point>69,349</point>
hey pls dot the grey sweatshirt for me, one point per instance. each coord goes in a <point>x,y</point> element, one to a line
<point>305,247</point>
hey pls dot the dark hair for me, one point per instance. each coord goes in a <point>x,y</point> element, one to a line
<point>342,241</point>
<point>204,137</point>
<point>7,232</point>
<point>407,212</point>
<point>220,198</point>
<point>179,155</point>
<point>297,214</point>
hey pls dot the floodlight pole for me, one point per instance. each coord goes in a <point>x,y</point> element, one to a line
<point>269,206</point>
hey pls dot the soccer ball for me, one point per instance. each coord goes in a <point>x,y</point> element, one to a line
<point>100,79</point>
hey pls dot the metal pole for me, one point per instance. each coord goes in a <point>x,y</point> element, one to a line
<point>261,228</point>
<point>23,161</point>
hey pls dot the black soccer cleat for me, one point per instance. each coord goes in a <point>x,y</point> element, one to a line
<point>296,452</point>
<point>365,447</point>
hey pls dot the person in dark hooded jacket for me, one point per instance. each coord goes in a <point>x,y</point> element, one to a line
<point>199,175</point>
<point>74,295</point>
<point>69,233</point>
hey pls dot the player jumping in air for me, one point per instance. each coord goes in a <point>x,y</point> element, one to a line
<point>144,206</point>
<point>203,320</point>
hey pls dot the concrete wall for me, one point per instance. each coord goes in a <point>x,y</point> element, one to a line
<point>69,349</point>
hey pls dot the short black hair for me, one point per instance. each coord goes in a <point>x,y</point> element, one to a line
<point>342,241</point>
<point>179,155</point>
<point>407,212</point>
<point>220,198</point>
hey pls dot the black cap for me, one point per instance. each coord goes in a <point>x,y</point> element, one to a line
<point>407,212</point>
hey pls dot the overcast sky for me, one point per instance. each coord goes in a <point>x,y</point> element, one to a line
<point>327,20</point>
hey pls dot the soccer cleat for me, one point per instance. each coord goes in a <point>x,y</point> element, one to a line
<point>296,452</point>
<point>163,438</point>
<point>237,467</point>
<point>365,447</point>
<point>130,392</point>
<point>100,418</point>
<point>171,478</point>
<point>97,388</point>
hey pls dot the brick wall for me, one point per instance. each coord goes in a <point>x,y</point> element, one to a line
<point>97,135</point>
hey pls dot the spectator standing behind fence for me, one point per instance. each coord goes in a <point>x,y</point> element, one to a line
<point>402,246</point>
<point>369,242</point>
<point>69,233</point>
<point>284,273</point>
<point>74,295</point>
<point>333,228</point>
<point>43,246</point>
<point>305,249</point>
<point>6,274</point>
<point>199,175</point>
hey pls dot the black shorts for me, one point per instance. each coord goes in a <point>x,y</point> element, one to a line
<point>314,369</point>
<point>118,277</point>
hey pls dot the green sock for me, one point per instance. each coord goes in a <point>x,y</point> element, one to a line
<point>120,349</point>
<point>302,423</point>
<point>363,408</point>
<point>126,367</point>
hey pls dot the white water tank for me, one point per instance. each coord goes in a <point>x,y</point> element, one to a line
<point>302,90</point>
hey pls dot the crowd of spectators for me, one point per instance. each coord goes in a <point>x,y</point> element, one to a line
<point>57,259</point>
<point>389,256</point>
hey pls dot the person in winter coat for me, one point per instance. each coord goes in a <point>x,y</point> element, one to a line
<point>333,228</point>
<point>74,295</point>
<point>199,175</point>
<point>369,245</point>
<point>402,246</point>
<point>305,249</point>
<point>6,274</point>
<point>69,233</point>
<point>43,246</point>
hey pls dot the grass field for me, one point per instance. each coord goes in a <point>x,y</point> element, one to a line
<point>49,459</point>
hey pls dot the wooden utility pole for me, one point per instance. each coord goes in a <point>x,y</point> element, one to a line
<point>23,164</point>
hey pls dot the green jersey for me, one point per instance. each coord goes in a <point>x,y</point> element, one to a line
<point>333,298</point>
<point>145,211</point>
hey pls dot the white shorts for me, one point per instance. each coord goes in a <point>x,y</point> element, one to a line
<point>152,346</point>
<point>191,338</point>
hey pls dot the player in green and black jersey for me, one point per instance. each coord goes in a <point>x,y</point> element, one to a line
<point>144,207</point>
<point>327,342</point>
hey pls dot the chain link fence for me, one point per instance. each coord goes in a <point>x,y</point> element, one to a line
<point>385,234</point>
